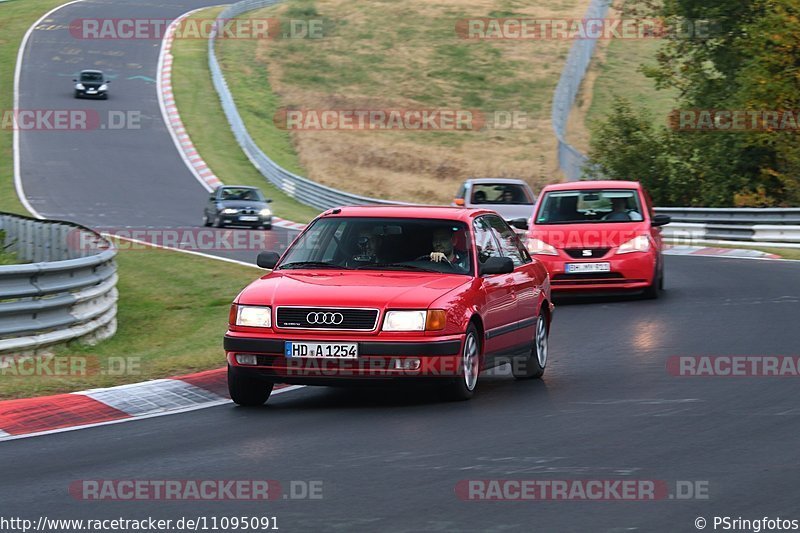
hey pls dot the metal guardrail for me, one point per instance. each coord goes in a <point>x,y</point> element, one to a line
<point>570,159</point>
<point>65,291</point>
<point>301,189</point>
<point>773,226</point>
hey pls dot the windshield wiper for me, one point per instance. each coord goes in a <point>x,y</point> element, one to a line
<point>312,264</point>
<point>398,266</point>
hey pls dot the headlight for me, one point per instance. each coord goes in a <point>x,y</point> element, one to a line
<point>103,87</point>
<point>265,212</point>
<point>405,321</point>
<point>80,87</point>
<point>637,244</point>
<point>253,316</point>
<point>229,211</point>
<point>538,247</point>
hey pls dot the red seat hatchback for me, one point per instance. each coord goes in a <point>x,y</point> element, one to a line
<point>381,293</point>
<point>598,236</point>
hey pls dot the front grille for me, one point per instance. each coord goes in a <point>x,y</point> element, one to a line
<point>327,318</point>
<point>577,253</point>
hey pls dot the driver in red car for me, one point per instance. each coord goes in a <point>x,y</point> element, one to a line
<point>444,249</point>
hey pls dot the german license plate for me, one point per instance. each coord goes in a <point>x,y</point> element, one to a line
<point>248,219</point>
<point>577,268</point>
<point>321,350</point>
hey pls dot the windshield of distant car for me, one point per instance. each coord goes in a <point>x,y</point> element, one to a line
<point>397,244</point>
<point>589,206</point>
<point>241,193</point>
<point>91,77</point>
<point>500,193</point>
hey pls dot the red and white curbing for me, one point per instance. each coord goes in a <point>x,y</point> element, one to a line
<point>735,253</point>
<point>64,412</point>
<point>177,130</point>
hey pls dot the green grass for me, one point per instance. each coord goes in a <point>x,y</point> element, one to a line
<point>15,19</point>
<point>172,314</point>
<point>620,76</point>
<point>206,124</point>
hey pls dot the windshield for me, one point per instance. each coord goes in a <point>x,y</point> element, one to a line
<point>589,206</point>
<point>356,243</point>
<point>91,77</point>
<point>500,193</point>
<point>241,193</point>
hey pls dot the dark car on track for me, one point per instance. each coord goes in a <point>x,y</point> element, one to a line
<point>372,294</point>
<point>91,84</point>
<point>237,205</point>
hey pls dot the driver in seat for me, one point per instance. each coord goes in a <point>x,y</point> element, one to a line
<point>444,249</point>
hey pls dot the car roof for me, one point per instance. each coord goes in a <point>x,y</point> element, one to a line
<point>410,211</point>
<point>91,71</point>
<point>593,184</point>
<point>237,187</point>
<point>500,181</point>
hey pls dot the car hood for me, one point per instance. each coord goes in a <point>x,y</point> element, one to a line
<point>379,290</point>
<point>242,204</point>
<point>597,235</point>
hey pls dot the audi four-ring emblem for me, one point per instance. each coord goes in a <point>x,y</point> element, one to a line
<point>327,319</point>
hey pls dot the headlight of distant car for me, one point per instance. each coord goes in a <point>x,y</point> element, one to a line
<point>253,316</point>
<point>637,244</point>
<point>538,247</point>
<point>432,320</point>
<point>103,87</point>
<point>80,87</point>
<point>265,212</point>
<point>229,211</point>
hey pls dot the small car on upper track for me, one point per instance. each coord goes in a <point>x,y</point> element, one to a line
<point>598,236</point>
<point>91,84</point>
<point>237,205</point>
<point>383,293</point>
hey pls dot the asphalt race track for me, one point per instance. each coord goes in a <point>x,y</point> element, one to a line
<point>608,409</point>
<point>111,178</point>
<point>390,461</point>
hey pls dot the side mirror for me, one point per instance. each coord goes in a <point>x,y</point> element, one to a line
<point>267,260</point>
<point>212,196</point>
<point>73,79</point>
<point>519,223</point>
<point>661,220</point>
<point>268,200</point>
<point>496,265</point>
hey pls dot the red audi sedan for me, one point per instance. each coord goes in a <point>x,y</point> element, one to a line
<point>391,293</point>
<point>598,236</point>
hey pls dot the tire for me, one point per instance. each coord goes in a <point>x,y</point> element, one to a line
<point>77,94</point>
<point>463,387</point>
<point>206,220</point>
<point>532,366</point>
<point>247,391</point>
<point>653,290</point>
<point>218,222</point>
<point>267,227</point>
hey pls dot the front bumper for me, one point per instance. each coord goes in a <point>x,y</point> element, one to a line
<point>629,273</point>
<point>86,94</point>
<point>246,220</point>
<point>378,359</point>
